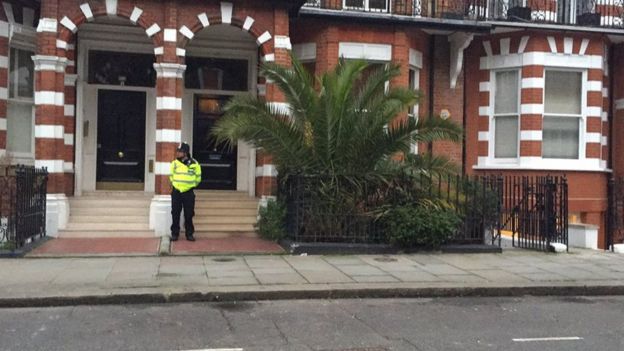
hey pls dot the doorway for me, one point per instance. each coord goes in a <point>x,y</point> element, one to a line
<point>217,160</point>
<point>120,140</point>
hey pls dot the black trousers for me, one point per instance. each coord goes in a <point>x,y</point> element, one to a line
<point>181,201</point>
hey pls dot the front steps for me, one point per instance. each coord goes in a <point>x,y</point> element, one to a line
<point>218,214</point>
<point>103,214</point>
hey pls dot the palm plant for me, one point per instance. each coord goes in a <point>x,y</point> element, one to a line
<point>344,124</point>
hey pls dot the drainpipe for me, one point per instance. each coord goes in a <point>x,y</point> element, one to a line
<point>431,81</point>
<point>611,114</point>
<point>464,117</point>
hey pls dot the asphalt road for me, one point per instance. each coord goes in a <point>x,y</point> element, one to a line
<point>529,323</point>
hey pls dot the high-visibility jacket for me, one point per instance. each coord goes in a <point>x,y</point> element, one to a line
<point>183,177</point>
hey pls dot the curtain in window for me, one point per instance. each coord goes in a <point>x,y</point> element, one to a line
<point>560,137</point>
<point>563,92</point>
<point>562,108</point>
<point>506,115</point>
<point>19,127</point>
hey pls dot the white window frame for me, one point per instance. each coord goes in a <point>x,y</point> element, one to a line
<point>21,157</point>
<point>582,118</point>
<point>413,111</point>
<point>492,118</point>
<point>367,7</point>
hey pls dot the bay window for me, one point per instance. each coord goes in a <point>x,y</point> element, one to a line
<point>562,114</point>
<point>20,105</point>
<point>506,114</point>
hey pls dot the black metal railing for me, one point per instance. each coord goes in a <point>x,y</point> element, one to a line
<point>324,209</point>
<point>615,212</point>
<point>606,13</point>
<point>535,211</point>
<point>22,205</point>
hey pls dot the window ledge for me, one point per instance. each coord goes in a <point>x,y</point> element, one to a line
<point>573,166</point>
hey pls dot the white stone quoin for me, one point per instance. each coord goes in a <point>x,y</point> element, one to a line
<point>160,215</point>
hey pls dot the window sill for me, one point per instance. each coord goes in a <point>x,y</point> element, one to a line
<point>539,164</point>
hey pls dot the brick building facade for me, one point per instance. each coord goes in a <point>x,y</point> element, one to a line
<point>535,96</point>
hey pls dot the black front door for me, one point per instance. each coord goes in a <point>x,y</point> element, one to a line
<point>218,161</point>
<point>121,136</point>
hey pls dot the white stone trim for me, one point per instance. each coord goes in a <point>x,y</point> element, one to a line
<point>415,58</point>
<point>49,63</point>
<point>152,30</point>
<point>53,166</point>
<point>366,51</point>
<point>261,89</point>
<point>532,109</point>
<point>249,21</point>
<point>594,85</point>
<point>539,163</point>
<point>69,138</point>
<point>604,141</point>
<point>485,111</point>
<point>68,167</point>
<point>605,92</point>
<point>8,11</point>
<point>162,168</point>
<point>540,59</point>
<point>531,135</point>
<point>226,12</point>
<point>168,136</point>
<point>69,110</point>
<point>4,62</point>
<point>4,93</point>
<point>568,43</point>
<point>593,137</point>
<point>266,171</point>
<point>203,18</point>
<point>170,35</point>
<point>304,51</point>
<point>553,44</point>
<point>159,50</point>
<point>523,43</point>
<point>282,42</point>
<point>180,52</point>
<point>619,104</point>
<point>529,83</point>
<point>593,111</point>
<point>136,14</point>
<point>504,46</point>
<point>169,103</point>
<point>70,79</point>
<point>584,45</point>
<point>169,70</point>
<point>488,48</point>
<point>69,24</point>
<point>111,7</point>
<point>3,123</point>
<point>4,29</point>
<point>266,36</point>
<point>604,116</point>
<point>268,58</point>
<point>86,11</point>
<point>49,98</point>
<point>484,136</point>
<point>60,44</point>
<point>184,30</point>
<point>485,86</point>
<point>48,25</point>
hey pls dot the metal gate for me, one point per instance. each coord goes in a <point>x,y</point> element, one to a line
<point>615,213</point>
<point>535,211</point>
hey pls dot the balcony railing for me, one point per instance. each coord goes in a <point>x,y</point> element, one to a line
<point>597,13</point>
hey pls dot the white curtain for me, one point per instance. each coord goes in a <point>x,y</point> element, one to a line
<point>506,140</point>
<point>563,92</point>
<point>506,115</point>
<point>560,137</point>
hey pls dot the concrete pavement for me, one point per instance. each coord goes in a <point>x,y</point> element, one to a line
<point>70,281</point>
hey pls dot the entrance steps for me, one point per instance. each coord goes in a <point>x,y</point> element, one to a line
<point>218,214</point>
<point>109,214</point>
<point>222,214</point>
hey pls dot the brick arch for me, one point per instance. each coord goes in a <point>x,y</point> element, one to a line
<point>77,17</point>
<point>256,31</point>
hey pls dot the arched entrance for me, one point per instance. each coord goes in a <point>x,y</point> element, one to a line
<point>221,62</point>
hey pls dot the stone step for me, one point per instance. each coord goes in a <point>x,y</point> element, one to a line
<point>247,204</point>
<point>107,234</point>
<point>117,194</point>
<point>112,211</point>
<point>110,226</point>
<point>220,235</point>
<point>93,202</point>
<point>107,218</point>
<point>210,212</point>
<point>199,219</point>
<point>223,227</point>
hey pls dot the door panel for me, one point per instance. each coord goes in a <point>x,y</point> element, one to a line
<point>121,136</point>
<point>218,161</point>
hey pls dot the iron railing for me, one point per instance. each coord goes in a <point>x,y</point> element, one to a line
<point>22,205</point>
<point>606,13</point>
<point>535,211</point>
<point>324,209</point>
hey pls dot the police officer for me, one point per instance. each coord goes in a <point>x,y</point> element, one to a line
<point>185,176</point>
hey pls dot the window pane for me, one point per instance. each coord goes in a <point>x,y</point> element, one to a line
<point>563,92</point>
<point>506,138</point>
<point>354,3</point>
<point>120,68</point>
<point>216,74</point>
<point>377,4</point>
<point>560,137</point>
<point>506,98</point>
<point>19,127</point>
<point>21,76</point>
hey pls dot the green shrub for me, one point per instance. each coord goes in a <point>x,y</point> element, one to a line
<point>272,222</point>
<point>420,226</point>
